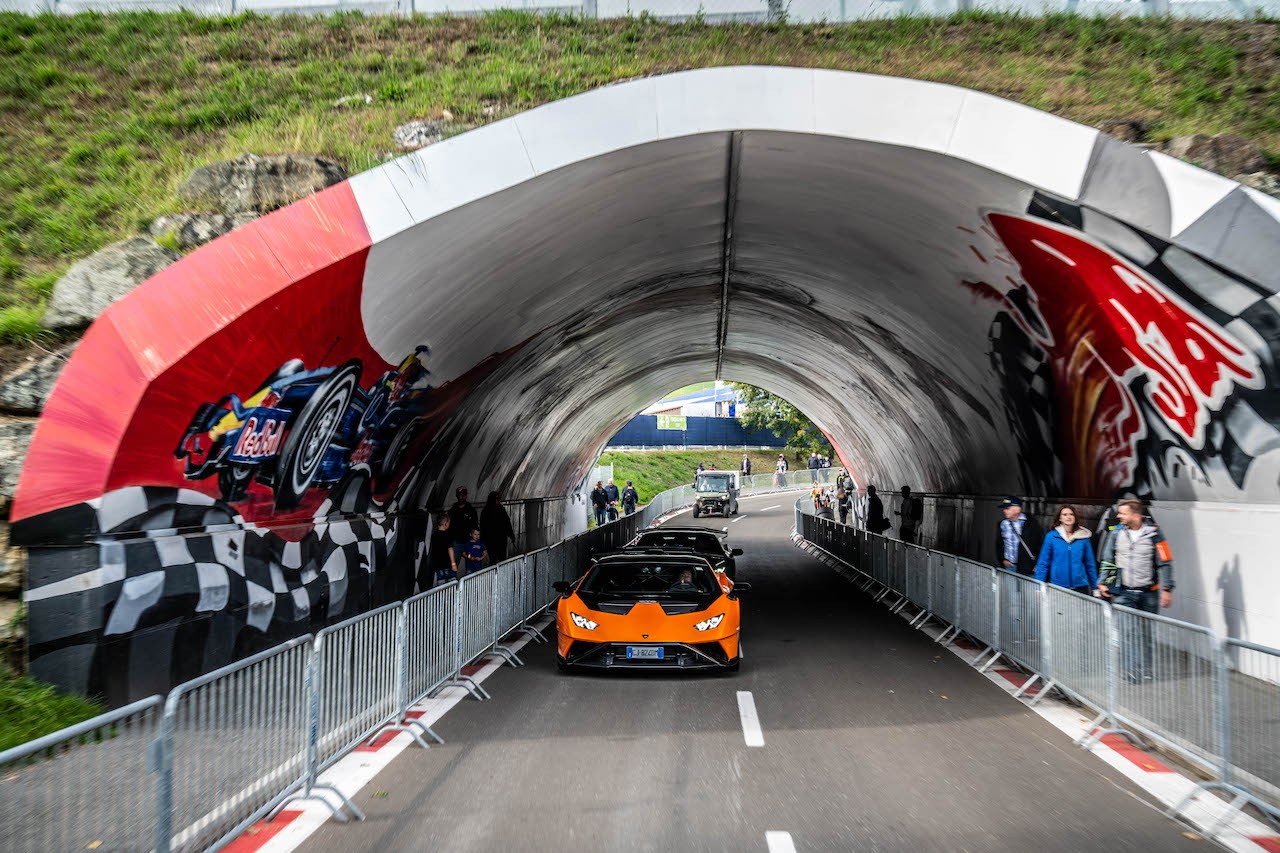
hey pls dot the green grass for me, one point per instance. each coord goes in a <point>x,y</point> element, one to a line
<point>653,471</point>
<point>30,709</point>
<point>20,324</point>
<point>102,116</point>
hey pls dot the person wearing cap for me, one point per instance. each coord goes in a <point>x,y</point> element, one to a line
<point>630,497</point>
<point>1020,538</point>
<point>599,502</point>
<point>462,520</point>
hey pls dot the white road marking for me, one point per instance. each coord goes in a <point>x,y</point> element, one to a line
<point>766,509</point>
<point>779,842</point>
<point>750,720</point>
<point>736,520</point>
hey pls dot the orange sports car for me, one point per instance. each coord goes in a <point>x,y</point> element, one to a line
<point>649,611</point>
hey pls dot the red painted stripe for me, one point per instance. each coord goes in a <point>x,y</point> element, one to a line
<point>475,667</point>
<point>1270,843</point>
<point>1017,679</point>
<point>378,743</point>
<point>1143,760</point>
<point>261,832</point>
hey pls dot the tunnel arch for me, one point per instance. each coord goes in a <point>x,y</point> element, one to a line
<point>964,293</point>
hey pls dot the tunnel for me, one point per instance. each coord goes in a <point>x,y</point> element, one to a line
<point>966,295</point>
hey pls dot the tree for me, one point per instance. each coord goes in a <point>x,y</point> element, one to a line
<point>771,412</point>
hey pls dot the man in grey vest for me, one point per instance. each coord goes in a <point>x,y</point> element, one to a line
<point>1136,572</point>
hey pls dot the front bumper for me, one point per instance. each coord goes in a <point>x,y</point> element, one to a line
<point>712,655</point>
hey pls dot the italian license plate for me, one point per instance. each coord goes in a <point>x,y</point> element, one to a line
<point>644,652</point>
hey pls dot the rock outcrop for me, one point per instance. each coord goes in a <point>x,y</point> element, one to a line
<point>102,278</point>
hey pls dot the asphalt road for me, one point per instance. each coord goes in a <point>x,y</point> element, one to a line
<point>875,739</point>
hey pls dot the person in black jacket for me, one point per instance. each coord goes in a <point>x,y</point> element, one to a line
<point>746,465</point>
<point>599,502</point>
<point>1019,540</point>
<point>462,520</point>
<point>440,566</point>
<point>495,528</point>
<point>630,498</point>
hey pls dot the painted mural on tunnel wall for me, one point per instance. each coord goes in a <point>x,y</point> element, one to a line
<point>1121,372</point>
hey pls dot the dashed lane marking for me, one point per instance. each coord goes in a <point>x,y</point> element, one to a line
<point>779,842</point>
<point>736,520</point>
<point>750,720</point>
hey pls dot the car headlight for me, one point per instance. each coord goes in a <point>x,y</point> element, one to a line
<point>583,622</point>
<point>708,624</point>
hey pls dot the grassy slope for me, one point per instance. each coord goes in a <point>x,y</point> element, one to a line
<point>29,709</point>
<point>102,116</point>
<point>653,471</point>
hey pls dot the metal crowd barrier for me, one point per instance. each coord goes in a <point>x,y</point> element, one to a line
<point>1146,676</point>
<point>57,792</point>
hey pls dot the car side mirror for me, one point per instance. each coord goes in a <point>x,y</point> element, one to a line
<point>737,552</point>
<point>563,586</point>
<point>741,587</point>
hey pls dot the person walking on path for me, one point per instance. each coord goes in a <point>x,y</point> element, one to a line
<point>813,466</point>
<point>876,522</point>
<point>599,502</point>
<point>1137,572</point>
<point>440,567</point>
<point>1066,559</point>
<point>462,519</point>
<point>1020,538</point>
<point>746,465</point>
<point>630,498</point>
<point>912,513</point>
<point>495,528</point>
<point>842,504</point>
<point>473,555</point>
<point>612,491</point>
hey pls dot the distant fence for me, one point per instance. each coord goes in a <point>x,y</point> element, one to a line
<point>711,11</point>
<point>700,433</point>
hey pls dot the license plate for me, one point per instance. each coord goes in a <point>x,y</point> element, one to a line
<point>644,652</point>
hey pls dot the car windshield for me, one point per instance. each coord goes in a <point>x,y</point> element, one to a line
<point>649,579</point>
<point>713,484</point>
<point>704,543</point>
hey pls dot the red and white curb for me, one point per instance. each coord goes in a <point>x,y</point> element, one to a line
<point>1166,785</point>
<point>358,768</point>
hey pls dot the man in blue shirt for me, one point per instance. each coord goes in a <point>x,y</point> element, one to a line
<point>474,554</point>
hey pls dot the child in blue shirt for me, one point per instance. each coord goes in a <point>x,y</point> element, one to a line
<point>474,553</point>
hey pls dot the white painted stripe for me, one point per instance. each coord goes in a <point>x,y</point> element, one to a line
<point>736,520</point>
<point>779,842</point>
<point>82,582</point>
<point>750,720</point>
<point>766,509</point>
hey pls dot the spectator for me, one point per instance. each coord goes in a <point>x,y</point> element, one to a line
<point>630,498</point>
<point>1137,572</point>
<point>813,466</point>
<point>842,504</point>
<point>612,491</point>
<point>826,462</point>
<point>780,472</point>
<point>845,481</point>
<point>711,467</point>
<point>822,506</point>
<point>441,566</point>
<point>816,494</point>
<point>1067,556</point>
<point>746,465</point>
<point>1020,538</point>
<point>599,502</point>
<point>876,522</point>
<point>912,513</point>
<point>473,555</point>
<point>495,528</point>
<point>699,469</point>
<point>611,511</point>
<point>462,518</point>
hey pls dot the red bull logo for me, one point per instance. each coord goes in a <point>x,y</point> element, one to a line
<point>257,442</point>
<point>1106,324</point>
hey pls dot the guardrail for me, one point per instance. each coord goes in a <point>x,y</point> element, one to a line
<point>1213,701</point>
<point>193,769</point>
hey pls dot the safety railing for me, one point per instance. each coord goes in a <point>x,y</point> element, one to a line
<point>59,793</point>
<point>193,770</point>
<point>1212,701</point>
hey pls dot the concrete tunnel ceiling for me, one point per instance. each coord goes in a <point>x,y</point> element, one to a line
<point>965,294</point>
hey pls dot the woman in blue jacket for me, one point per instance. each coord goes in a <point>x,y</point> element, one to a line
<point>1066,558</point>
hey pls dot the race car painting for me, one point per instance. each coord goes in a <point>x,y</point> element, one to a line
<point>304,428</point>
